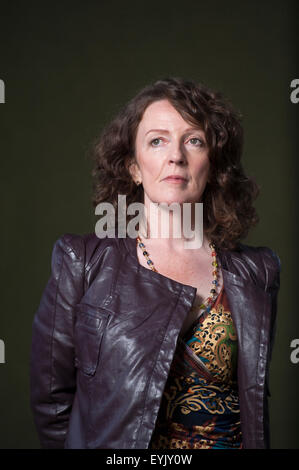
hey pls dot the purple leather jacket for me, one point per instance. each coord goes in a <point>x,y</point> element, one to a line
<point>105,332</point>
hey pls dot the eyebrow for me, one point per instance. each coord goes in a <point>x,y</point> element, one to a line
<point>166,131</point>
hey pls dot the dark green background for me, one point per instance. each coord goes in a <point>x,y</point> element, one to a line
<point>68,68</point>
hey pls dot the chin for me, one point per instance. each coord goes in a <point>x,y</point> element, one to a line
<point>173,198</point>
<point>168,200</point>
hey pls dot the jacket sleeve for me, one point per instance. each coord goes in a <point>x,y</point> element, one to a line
<point>273,289</point>
<point>52,371</point>
<point>273,285</point>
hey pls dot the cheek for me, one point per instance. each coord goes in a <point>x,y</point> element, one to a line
<point>150,166</point>
<point>202,171</point>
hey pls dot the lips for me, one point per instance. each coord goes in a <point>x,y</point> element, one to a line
<point>175,177</point>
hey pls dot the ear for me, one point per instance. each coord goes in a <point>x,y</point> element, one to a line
<point>133,169</point>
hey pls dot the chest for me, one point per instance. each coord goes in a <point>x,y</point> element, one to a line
<point>191,269</point>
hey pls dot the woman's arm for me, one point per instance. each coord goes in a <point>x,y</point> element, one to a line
<point>52,371</point>
<point>274,289</point>
<point>274,268</point>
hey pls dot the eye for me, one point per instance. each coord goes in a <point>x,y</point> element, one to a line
<point>196,141</point>
<point>155,142</point>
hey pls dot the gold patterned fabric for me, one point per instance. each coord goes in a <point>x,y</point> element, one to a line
<point>200,403</point>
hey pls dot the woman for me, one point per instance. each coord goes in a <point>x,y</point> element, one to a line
<point>140,342</point>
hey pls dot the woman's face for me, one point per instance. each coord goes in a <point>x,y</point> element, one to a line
<point>167,145</point>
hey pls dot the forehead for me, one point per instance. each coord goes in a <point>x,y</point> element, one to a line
<point>163,113</point>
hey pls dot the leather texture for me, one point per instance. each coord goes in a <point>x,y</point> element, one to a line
<point>105,333</point>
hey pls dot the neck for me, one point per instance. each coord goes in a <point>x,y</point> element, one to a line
<point>178,227</point>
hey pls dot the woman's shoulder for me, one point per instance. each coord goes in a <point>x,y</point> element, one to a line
<point>263,260</point>
<point>269,257</point>
<point>258,264</point>
<point>85,247</point>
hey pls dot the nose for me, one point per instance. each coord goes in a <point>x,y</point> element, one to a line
<point>177,154</point>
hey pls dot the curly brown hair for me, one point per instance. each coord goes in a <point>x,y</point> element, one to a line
<point>229,194</point>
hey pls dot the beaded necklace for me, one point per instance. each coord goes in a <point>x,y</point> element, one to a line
<point>206,305</point>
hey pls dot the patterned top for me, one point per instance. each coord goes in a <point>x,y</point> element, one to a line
<point>200,403</point>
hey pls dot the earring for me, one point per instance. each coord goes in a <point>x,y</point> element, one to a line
<point>138,183</point>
